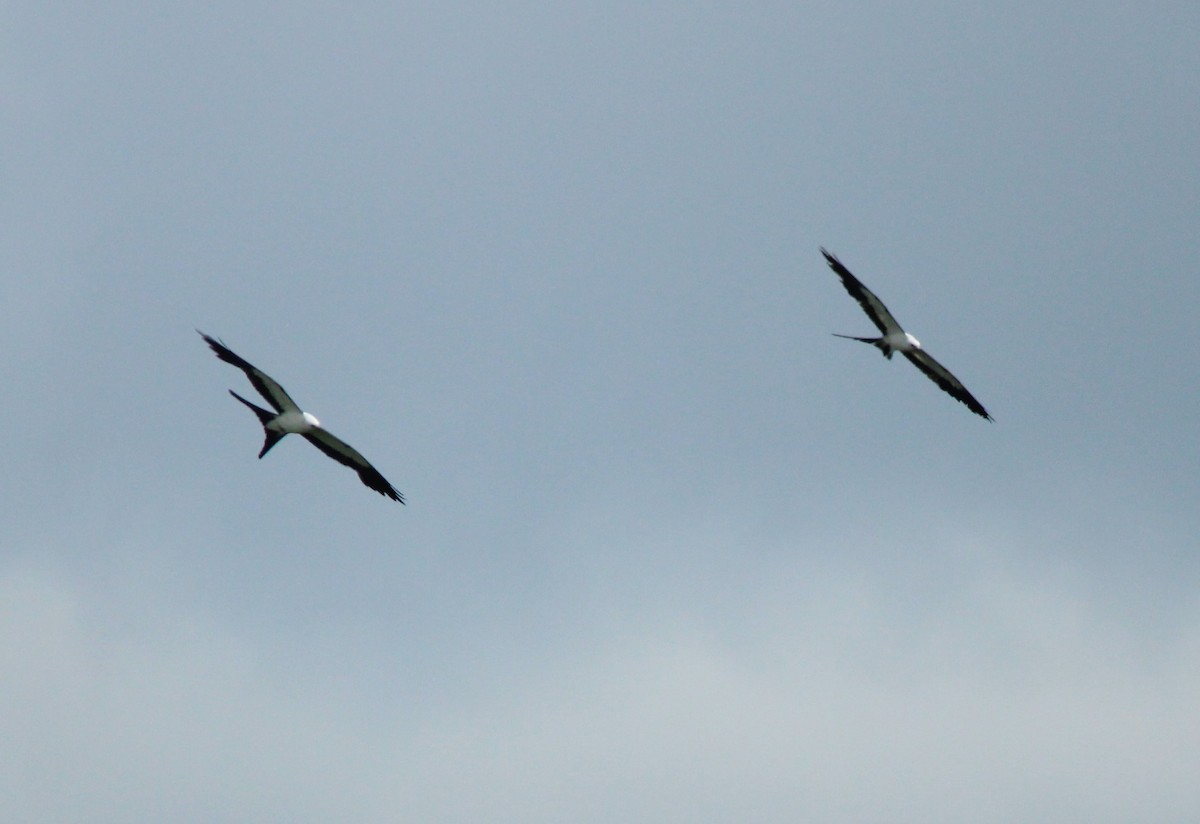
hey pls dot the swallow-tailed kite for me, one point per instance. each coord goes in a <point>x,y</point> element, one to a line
<point>895,339</point>
<point>288,417</point>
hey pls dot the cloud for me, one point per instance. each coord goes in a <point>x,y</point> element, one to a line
<point>821,698</point>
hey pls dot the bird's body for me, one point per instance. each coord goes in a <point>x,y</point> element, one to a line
<point>288,418</point>
<point>890,343</point>
<point>894,339</point>
<point>297,423</point>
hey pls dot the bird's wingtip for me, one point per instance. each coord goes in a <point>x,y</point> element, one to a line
<point>211,341</point>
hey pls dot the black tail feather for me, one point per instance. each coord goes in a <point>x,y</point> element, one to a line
<point>876,342</point>
<point>264,417</point>
<point>272,439</point>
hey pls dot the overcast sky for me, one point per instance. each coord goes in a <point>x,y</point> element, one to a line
<point>672,552</point>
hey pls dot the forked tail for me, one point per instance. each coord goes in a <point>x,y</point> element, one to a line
<point>876,342</point>
<point>264,417</point>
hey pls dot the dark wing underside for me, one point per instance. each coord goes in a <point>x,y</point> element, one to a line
<point>271,391</point>
<point>345,454</point>
<point>943,378</point>
<point>873,306</point>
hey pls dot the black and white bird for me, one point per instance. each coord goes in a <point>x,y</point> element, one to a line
<point>288,418</point>
<point>895,339</point>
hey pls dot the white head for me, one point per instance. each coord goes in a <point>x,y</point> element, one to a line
<point>311,420</point>
<point>916,344</point>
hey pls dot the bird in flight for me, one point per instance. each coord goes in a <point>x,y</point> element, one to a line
<point>288,417</point>
<point>895,339</point>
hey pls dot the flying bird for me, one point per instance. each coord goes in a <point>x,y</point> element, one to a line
<point>895,339</point>
<point>288,417</point>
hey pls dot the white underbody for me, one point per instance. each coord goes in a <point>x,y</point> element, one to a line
<point>901,342</point>
<point>294,422</point>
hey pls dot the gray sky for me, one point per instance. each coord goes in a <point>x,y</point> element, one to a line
<point>672,552</point>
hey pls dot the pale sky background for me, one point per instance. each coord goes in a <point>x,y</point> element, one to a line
<point>672,552</point>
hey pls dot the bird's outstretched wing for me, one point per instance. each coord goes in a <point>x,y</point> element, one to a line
<point>271,391</point>
<point>945,379</point>
<point>343,453</point>
<point>873,306</point>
